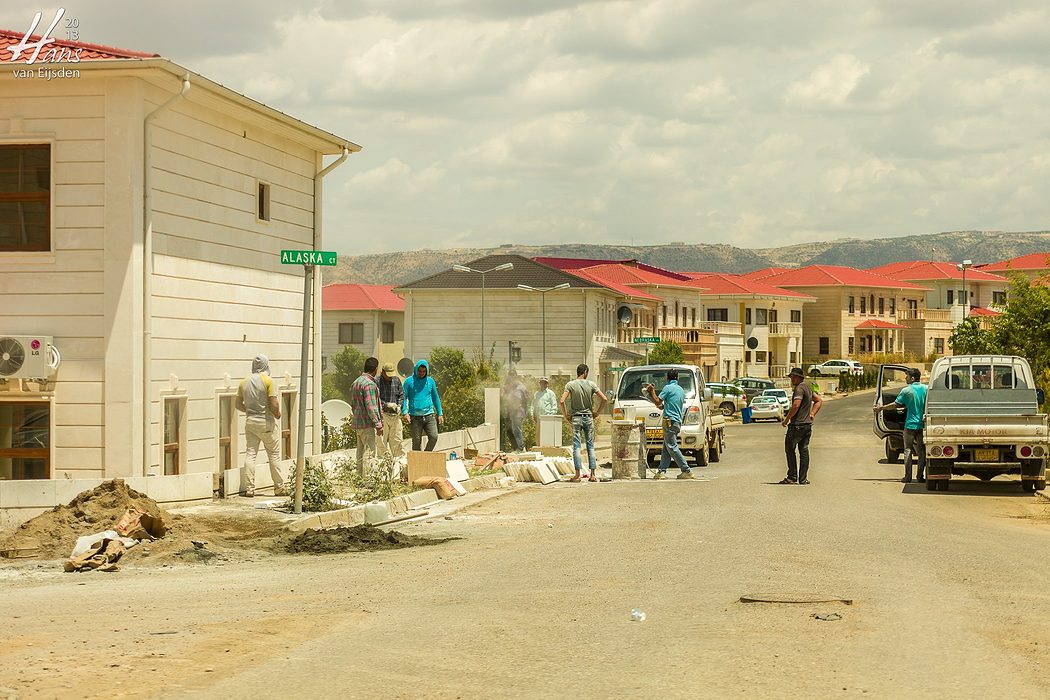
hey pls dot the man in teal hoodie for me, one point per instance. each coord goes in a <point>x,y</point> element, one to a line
<point>422,408</point>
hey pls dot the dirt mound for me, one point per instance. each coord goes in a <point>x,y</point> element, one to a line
<point>91,511</point>
<point>360,538</point>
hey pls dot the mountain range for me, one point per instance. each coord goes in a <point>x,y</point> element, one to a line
<point>979,246</point>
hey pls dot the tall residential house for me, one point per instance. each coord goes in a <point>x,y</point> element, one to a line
<point>856,312</point>
<point>768,318</point>
<point>452,308</point>
<point>1032,265</point>
<point>369,317</point>
<point>143,209</point>
<point>950,298</point>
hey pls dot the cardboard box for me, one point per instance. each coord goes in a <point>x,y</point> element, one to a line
<point>422,464</point>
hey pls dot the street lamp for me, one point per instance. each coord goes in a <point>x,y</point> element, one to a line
<point>498,268</point>
<point>543,312</point>
<point>964,266</point>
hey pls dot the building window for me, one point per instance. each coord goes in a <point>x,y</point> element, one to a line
<point>227,429</point>
<point>747,356</point>
<point>761,317</point>
<point>863,305</point>
<point>664,316</point>
<point>262,201</point>
<point>287,411</point>
<point>174,434</point>
<point>25,198</point>
<point>962,296</point>
<point>351,333</point>
<point>938,346</point>
<point>760,355</point>
<point>852,305</point>
<point>893,306</point>
<point>871,304</point>
<point>25,440</point>
<point>692,313</point>
<point>796,316</point>
<point>878,343</point>
<point>882,306</point>
<point>825,344</point>
<point>913,305</point>
<point>388,332</point>
<point>718,314</point>
<point>851,342</point>
<point>747,316</point>
<point>998,298</point>
<point>951,297</point>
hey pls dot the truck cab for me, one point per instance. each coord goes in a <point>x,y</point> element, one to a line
<point>703,428</point>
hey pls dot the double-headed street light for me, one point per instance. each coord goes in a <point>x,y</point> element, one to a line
<point>543,312</point>
<point>964,266</point>
<point>498,268</point>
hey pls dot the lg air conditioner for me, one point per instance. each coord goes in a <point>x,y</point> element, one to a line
<point>26,357</point>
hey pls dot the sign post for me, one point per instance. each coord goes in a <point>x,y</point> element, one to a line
<point>308,259</point>
<point>648,340</point>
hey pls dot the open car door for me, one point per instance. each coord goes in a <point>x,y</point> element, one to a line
<point>889,422</point>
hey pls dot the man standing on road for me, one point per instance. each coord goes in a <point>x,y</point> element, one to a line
<point>257,397</point>
<point>580,412</point>
<point>422,407</point>
<point>912,399</point>
<point>799,423</point>
<point>672,401</point>
<point>368,417</point>
<point>515,403</point>
<point>392,395</point>
<point>545,402</point>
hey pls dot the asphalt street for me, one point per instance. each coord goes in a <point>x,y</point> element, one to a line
<point>949,590</point>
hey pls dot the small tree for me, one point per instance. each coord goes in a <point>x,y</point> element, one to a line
<point>667,352</point>
<point>449,367</point>
<point>969,339</point>
<point>348,363</point>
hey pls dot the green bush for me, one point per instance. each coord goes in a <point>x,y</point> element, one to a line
<point>666,352</point>
<point>348,364</point>
<point>317,489</point>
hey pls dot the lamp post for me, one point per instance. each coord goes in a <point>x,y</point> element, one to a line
<point>543,313</point>
<point>964,266</point>
<point>498,268</point>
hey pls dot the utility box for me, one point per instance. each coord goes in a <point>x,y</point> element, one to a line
<point>550,431</point>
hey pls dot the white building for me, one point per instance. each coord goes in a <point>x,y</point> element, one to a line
<point>368,317</point>
<point>142,212</point>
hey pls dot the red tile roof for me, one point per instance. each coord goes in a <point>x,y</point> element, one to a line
<point>877,324</point>
<point>835,276</point>
<point>9,39</point>
<point>1033,261</point>
<point>928,270</point>
<point>764,272</point>
<point>978,311</point>
<point>360,297</point>
<point>627,274</point>
<point>612,285</point>
<point>727,284</point>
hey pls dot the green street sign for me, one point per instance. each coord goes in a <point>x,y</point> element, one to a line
<point>617,369</point>
<point>309,257</point>
<point>649,339</point>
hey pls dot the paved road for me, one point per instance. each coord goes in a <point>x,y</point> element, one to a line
<point>950,597</point>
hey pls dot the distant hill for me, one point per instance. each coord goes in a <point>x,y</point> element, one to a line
<point>979,246</point>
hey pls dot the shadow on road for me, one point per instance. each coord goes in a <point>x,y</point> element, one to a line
<point>887,479</point>
<point>974,487</point>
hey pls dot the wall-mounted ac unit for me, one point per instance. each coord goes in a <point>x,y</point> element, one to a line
<point>26,357</point>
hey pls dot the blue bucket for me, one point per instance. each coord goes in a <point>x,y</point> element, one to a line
<point>745,414</point>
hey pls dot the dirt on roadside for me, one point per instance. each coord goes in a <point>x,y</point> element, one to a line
<point>360,538</point>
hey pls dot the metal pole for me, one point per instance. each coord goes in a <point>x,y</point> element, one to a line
<point>482,318</point>
<point>966,295</point>
<point>543,322</point>
<point>304,368</point>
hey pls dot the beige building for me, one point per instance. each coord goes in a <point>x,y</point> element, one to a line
<point>368,317</point>
<point>855,312</point>
<point>143,209</point>
<point>1032,265</point>
<point>445,309</point>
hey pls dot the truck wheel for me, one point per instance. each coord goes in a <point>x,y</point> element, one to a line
<point>715,452</point>
<point>931,484</point>
<point>944,484</point>
<point>1040,484</point>
<point>1028,486</point>
<point>700,455</point>
<point>892,456</point>
<point>727,409</point>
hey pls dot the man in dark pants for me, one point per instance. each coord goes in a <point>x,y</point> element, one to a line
<point>799,423</point>
<point>912,400</point>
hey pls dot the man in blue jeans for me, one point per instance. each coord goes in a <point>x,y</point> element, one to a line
<point>672,401</point>
<point>581,413</point>
<point>805,404</point>
<point>912,399</point>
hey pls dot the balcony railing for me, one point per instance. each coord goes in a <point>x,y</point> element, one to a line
<point>781,330</point>
<point>683,335</point>
<point>627,334</point>
<point>939,315</point>
<point>778,371</point>
<point>722,327</point>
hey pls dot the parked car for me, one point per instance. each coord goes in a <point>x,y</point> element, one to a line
<point>780,395</point>
<point>753,386</point>
<point>766,408</point>
<point>835,367</point>
<point>728,398</point>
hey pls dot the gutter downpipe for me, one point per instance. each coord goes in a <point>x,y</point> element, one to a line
<point>147,272</point>
<point>316,384</point>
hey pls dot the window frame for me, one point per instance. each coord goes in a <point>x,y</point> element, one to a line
<point>289,428</point>
<point>230,444</point>
<point>722,313</point>
<point>178,447</point>
<point>823,345</point>
<point>44,453</point>
<point>383,332</point>
<point>263,201</point>
<point>351,326</point>
<point>796,315</point>
<point>35,255</point>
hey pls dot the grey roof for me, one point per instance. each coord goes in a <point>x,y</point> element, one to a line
<point>526,271</point>
<point>611,353</point>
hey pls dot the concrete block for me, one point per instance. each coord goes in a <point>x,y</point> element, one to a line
<point>420,498</point>
<point>490,481</point>
<point>460,491</point>
<point>457,470</point>
<point>137,483</point>
<point>538,472</point>
<point>397,506</point>
<point>198,486</point>
<point>332,518</point>
<point>471,485</point>
<point>165,489</point>
<point>30,493</point>
<point>550,451</point>
<point>68,489</point>
<point>355,516</point>
<point>309,522</point>
<point>376,512</point>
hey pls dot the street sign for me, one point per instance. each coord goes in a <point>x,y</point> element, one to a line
<point>647,339</point>
<point>617,369</point>
<point>309,257</point>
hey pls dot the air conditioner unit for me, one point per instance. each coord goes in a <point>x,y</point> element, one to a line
<point>25,357</point>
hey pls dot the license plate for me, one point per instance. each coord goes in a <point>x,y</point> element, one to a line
<point>986,455</point>
<point>654,433</point>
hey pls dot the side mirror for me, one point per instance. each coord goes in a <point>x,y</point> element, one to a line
<point>708,394</point>
<point>1040,397</point>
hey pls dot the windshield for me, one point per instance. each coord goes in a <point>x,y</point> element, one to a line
<point>775,392</point>
<point>764,399</point>
<point>633,382</point>
<point>982,375</point>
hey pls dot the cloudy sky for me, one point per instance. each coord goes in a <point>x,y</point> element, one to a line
<point>751,123</point>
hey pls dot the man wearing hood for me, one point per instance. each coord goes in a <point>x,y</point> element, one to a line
<point>422,408</point>
<point>515,404</point>
<point>257,397</point>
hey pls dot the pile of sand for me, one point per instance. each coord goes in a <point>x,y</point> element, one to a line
<point>360,538</point>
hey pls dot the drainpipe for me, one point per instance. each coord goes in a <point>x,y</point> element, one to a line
<point>316,387</point>
<point>147,271</point>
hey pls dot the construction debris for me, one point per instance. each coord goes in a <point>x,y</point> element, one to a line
<point>360,538</point>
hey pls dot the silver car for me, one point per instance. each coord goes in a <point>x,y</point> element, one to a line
<point>780,395</point>
<point>766,408</point>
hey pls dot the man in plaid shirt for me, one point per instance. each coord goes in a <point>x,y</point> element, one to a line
<point>367,420</point>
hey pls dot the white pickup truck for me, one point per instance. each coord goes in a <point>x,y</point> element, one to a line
<point>703,430</point>
<point>982,419</point>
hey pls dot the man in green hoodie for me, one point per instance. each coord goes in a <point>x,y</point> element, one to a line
<point>422,407</point>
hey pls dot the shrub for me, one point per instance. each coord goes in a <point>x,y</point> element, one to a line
<point>666,352</point>
<point>317,489</point>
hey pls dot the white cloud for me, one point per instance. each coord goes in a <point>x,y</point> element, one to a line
<point>829,85</point>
